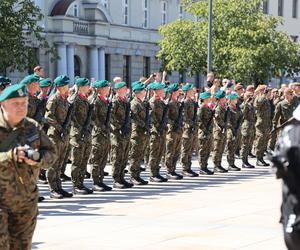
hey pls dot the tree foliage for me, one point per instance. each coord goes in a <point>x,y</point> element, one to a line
<point>19,34</point>
<point>247,44</point>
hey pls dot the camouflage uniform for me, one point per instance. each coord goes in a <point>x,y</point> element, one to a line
<point>247,130</point>
<point>32,106</point>
<point>139,137</point>
<point>100,140</point>
<point>189,134</point>
<point>80,137</point>
<point>18,202</point>
<point>57,109</point>
<point>219,136</point>
<point>204,134</point>
<point>173,137</point>
<point>232,133</point>
<point>157,140</point>
<point>120,142</point>
<point>263,124</point>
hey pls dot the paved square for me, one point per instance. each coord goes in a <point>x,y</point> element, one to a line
<point>236,210</point>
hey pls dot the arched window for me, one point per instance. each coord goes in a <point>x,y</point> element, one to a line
<point>76,10</point>
<point>145,14</point>
<point>164,8</point>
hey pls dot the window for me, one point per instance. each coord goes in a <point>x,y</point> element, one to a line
<point>126,69</point>
<point>180,11</point>
<point>125,11</point>
<point>295,8</point>
<point>145,14</point>
<point>265,6</point>
<point>163,12</point>
<point>280,7</point>
<point>107,67</point>
<point>104,3</point>
<point>294,38</point>
<point>75,10</point>
<point>146,66</point>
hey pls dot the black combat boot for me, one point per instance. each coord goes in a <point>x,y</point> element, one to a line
<point>174,176</point>
<point>246,164</point>
<point>189,173</point>
<point>55,194</point>
<point>64,193</point>
<point>138,181</point>
<point>64,178</point>
<point>220,169</point>
<point>101,187</point>
<point>82,190</point>
<point>233,168</point>
<point>262,163</point>
<point>205,171</point>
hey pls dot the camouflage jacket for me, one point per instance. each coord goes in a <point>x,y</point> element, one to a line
<point>233,122</point>
<point>204,115</point>
<point>157,108</point>
<point>248,124</point>
<point>118,114</point>
<point>14,194</point>
<point>219,119</point>
<point>99,118</point>
<point>32,106</point>
<point>173,115</point>
<point>79,119</point>
<point>138,115</point>
<point>283,112</point>
<point>56,113</point>
<point>262,112</point>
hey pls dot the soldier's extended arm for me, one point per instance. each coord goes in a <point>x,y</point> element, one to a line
<point>50,115</point>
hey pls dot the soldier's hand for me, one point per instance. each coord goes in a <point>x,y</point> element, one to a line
<point>30,162</point>
<point>20,156</point>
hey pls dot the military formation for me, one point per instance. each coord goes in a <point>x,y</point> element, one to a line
<point>150,122</point>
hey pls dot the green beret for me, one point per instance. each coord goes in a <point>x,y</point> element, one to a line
<point>14,91</point>
<point>205,95</point>
<point>45,83</point>
<point>5,80</point>
<point>100,84</point>
<point>61,81</point>
<point>233,96</point>
<point>187,87</point>
<point>220,94</point>
<point>134,83</point>
<point>30,79</point>
<point>172,88</point>
<point>150,85</point>
<point>138,87</point>
<point>81,82</point>
<point>158,85</point>
<point>120,85</point>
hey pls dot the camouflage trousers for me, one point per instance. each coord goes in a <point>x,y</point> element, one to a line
<point>218,147</point>
<point>231,147</point>
<point>261,142</point>
<point>247,139</point>
<point>17,228</point>
<point>119,155</point>
<point>53,172</point>
<point>99,156</point>
<point>80,153</point>
<point>188,142</point>
<point>157,145</point>
<point>272,141</point>
<point>205,145</point>
<point>138,142</point>
<point>173,146</point>
<point>67,157</point>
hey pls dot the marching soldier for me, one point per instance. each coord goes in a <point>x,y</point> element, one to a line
<point>205,118</point>
<point>20,139</point>
<point>4,82</point>
<point>100,135</point>
<point>174,132</point>
<point>159,112</point>
<point>120,136</point>
<point>219,131</point>
<point>58,116</point>
<point>80,136</point>
<point>189,130</point>
<point>233,126</point>
<point>247,129</point>
<point>263,123</point>
<point>140,133</point>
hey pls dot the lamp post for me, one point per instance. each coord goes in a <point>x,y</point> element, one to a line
<point>209,43</point>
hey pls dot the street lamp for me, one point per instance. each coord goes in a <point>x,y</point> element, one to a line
<point>209,45</point>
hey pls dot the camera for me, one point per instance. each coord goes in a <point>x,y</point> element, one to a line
<point>32,154</point>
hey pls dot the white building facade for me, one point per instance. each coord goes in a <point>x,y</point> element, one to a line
<point>105,38</point>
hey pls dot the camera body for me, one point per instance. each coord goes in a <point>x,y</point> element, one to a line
<point>32,154</point>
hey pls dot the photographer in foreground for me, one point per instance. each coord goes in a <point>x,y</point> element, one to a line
<point>24,148</point>
<point>286,161</point>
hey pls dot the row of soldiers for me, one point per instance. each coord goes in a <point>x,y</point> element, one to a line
<point>163,122</point>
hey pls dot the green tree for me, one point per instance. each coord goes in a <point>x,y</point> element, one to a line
<point>247,45</point>
<point>19,34</point>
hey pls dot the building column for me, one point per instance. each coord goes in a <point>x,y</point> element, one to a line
<point>62,62</point>
<point>70,62</point>
<point>101,61</point>
<point>93,61</point>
